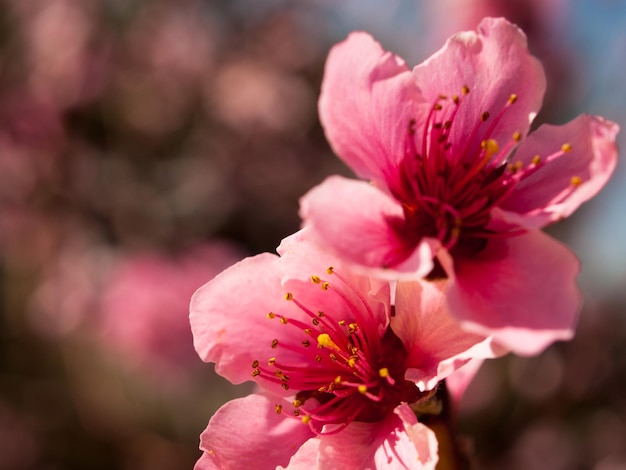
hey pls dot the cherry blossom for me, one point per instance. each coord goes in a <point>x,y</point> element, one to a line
<point>337,365</point>
<point>458,188</point>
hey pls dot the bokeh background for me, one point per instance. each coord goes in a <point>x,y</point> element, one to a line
<point>147,145</point>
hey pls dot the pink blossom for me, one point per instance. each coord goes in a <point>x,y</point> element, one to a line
<point>337,365</point>
<point>459,190</point>
<point>143,309</point>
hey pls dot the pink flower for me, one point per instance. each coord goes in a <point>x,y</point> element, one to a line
<point>143,309</point>
<point>458,188</point>
<point>336,363</point>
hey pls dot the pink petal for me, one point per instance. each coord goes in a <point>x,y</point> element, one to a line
<point>353,219</point>
<point>248,433</point>
<point>306,457</point>
<point>548,194</point>
<point>494,63</point>
<point>458,382</point>
<point>367,100</point>
<point>522,290</point>
<point>399,442</point>
<point>433,338</point>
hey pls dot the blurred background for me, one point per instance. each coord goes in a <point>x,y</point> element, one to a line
<point>147,145</point>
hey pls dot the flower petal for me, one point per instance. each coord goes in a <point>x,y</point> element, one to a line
<point>248,433</point>
<point>458,382</point>
<point>396,443</point>
<point>306,457</point>
<point>432,337</point>
<point>556,189</point>
<point>367,101</point>
<point>494,63</point>
<point>354,220</point>
<point>522,290</point>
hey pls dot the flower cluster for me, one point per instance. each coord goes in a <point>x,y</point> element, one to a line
<point>394,283</point>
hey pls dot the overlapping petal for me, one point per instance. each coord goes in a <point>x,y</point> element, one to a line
<point>355,220</point>
<point>270,439</point>
<point>493,63</point>
<point>399,442</point>
<point>522,290</point>
<point>435,342</point>
<point>564,182</point>
<point>367,101</point>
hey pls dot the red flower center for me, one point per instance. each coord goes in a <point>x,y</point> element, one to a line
<point>347,370</point>
<point>449,189</point>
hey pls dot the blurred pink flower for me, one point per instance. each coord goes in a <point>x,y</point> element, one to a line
<point>336,363</point>
<point>459,189</point>
<point>144,305</point>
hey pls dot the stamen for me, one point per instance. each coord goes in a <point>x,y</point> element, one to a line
<point>324,341</point>
<point>566,147</point>
<point>279,409</point>
<point>576,181</point>
<point>288,296</point>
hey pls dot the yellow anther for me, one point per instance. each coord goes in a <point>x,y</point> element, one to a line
<point>443,97</point>
<point>271,315</point>
<point>362,389</point>
<point>437,107</point>
<point>315,279</point>
<point>465,89</point>
<point>255,373</point>
<point>271,361</point>
<point>341,323</point>
<point>338,379</point>
<point>576,181</point>
<point>297,403</point>
<point>274,343</point>
<point>352,362</point>
<point>384,372</point>
<point>255,364</point>
<point>318,358</point>
<point>322,389</point>
<point>512,98</point>
<point>352,327</point>
<point>284,320</point>
<point>330,270</point>
<point>455,99</point>
<point>517,136</point>
<point>536,160</point>
<point>324,341</point>
<point>307,331</point>
<point>279,409</point>
<point>320,314</point>
<point>288,296</point>
<point>285,386</point>
<point>490,146</point>
<point>566,147</point>
<point>325,285</point>
<point>306,419</point>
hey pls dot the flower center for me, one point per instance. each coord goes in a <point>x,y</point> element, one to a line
<point>449,189</point>
<point>344,369</point>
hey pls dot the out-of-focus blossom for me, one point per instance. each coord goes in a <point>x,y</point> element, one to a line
<point>144,305</point>
<point>337,364</point>
<point>459,189</point>
<point>63,59</point>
